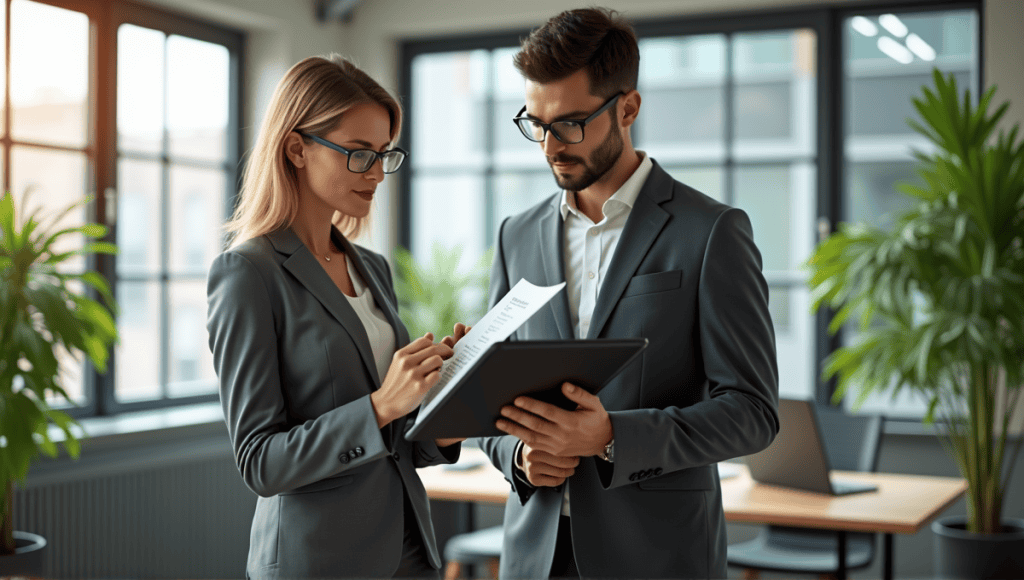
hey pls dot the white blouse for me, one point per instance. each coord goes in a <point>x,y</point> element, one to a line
<point>378,329</point>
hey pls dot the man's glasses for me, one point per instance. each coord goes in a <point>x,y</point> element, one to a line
<point>361,160</point>
<point>568,131</point>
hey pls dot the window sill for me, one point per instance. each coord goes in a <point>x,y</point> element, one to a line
<point>138,440</point>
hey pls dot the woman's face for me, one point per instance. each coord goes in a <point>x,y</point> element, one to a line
<point>324,173</point>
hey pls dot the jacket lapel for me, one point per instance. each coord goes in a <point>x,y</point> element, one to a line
<point>553,264</point>
<point>303,265</point>
<point>645,222</point>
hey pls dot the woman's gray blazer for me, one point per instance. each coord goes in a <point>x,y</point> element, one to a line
<point>296,372</point>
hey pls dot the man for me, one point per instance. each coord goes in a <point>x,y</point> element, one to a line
<point>626,485</point>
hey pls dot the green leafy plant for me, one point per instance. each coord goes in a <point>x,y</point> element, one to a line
<point>940,295</point>
<point>435,295</point>
<point>42,317</point>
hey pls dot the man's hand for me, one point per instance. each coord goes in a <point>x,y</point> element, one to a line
<point>555,431</point>
<point>543,469</point>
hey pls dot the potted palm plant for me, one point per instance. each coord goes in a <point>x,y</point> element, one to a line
<point>42,316</point>
<point>940,302</point>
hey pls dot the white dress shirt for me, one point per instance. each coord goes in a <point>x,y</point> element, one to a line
<point>378,329</point>
<point>588,249</point>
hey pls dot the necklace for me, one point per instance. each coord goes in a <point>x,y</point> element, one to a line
<point>330,246</point>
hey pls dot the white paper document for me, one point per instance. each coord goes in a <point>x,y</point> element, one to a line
<point>522,302</point>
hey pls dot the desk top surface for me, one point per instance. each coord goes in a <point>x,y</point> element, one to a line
<point>903,503</point>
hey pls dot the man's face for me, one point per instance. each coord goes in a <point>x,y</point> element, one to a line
<point>576,166</point>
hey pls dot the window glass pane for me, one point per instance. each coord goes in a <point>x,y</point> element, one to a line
<point>780,201</point>
<point>517,192</point>
<point>3,71</point>
<point>886,66</point>
<point>53,180</point>
<point>190,363</point>
<point>774,104</point>
<point>449,209</point>
<point>49,74</point>
<point>137,371</point>
<point>138,217</point>
<point>449,117</point>
<point>682,79</point>
<point>512,149</point>
<point>197,98</point>
<point>140,89</point>
<point>196,215</point>
<point>794,339</point>
<point>707,180</point>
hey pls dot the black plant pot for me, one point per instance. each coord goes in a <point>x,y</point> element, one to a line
<point>965,555</point>
<point>27,559</point>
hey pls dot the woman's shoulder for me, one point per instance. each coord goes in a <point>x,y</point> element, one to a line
<point>255,254</point>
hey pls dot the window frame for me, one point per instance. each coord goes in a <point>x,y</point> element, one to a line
<point>102,157</point>
<point>830,131</point>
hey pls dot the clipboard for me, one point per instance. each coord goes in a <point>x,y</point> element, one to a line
<point>506,370</point>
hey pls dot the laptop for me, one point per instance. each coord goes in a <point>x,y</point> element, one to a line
<point>797,457</point>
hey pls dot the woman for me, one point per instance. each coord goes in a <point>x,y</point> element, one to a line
<point>317,375</point>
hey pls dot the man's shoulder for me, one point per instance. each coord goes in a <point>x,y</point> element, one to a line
<point>684,200</point>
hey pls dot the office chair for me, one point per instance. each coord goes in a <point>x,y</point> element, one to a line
<point>482,547</point>
<point>852,443</point>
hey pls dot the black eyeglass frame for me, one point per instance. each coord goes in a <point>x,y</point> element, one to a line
<point>547,126</point>
<point>348,152</point>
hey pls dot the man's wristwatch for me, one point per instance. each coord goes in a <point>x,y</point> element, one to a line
<point>609,452</point>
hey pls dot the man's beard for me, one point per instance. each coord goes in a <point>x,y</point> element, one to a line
<point>601,161</point>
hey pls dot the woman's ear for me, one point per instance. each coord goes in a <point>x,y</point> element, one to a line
<point>630,107</point>
<point>295,149</point>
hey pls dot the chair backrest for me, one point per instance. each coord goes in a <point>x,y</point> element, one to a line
<point>852,442</point>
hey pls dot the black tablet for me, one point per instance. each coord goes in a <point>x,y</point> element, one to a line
<point>536,368</point>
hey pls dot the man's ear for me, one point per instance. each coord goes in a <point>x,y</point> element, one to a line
<point>295,149</point>
<point>630,107</point>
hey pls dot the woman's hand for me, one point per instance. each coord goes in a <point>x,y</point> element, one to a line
<point>414,369</point>
<point>459,331</point>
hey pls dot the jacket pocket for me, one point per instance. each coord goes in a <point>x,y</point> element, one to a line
<point>651,283</point>
<point>322,485</point>
<point>695,478</point>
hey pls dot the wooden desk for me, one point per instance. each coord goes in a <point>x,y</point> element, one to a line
<point>903,504</point>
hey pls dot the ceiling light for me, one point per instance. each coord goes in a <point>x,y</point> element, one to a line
<point>919,47</point>
<point>893,24</point>
<point>895,50</point>
<point>864,26</point>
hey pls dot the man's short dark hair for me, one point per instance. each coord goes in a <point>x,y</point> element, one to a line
<point>598,40</point>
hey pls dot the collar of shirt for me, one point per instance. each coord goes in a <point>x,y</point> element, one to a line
<point>622,199</point>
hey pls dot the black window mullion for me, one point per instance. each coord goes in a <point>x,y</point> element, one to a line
<point>728,107</point>
<point>165,212</point>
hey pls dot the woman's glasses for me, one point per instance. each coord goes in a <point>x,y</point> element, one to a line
<point>361,160</point>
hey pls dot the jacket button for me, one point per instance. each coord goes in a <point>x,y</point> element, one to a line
<point>395,455</point>
<point>657,471</point>
<point>358,451</point>
<point>632,476</point>
<point>343,458</point>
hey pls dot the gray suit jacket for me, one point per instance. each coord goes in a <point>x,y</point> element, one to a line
<point>296,372</point>
<point>686,275</point>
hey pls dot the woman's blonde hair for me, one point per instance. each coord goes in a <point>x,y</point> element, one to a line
<point>312,97</point>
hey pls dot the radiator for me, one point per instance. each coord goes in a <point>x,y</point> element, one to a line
<point>178,516</point>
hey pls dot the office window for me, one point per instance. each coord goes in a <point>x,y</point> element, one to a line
<point>888,58</point>
<point>45,122</point>
<point>139,109</point>
<point>702,118</point>
<point>743,108</point>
